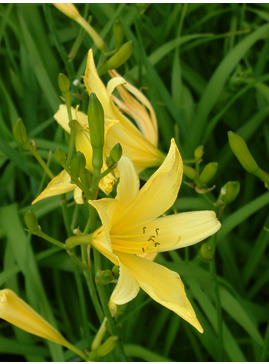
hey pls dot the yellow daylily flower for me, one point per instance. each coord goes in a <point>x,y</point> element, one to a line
<point>132,232</point>
<point>139,146</point>
<point>17,312</point>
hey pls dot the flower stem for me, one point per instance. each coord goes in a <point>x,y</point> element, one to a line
<point>42,163</point>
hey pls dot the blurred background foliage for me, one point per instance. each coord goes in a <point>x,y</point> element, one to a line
<point>205,69</point>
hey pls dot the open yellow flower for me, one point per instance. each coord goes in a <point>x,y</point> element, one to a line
<point>140,145</point>
<point>132,228</point>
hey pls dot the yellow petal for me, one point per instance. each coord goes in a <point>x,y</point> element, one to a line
<point>61,116</point>
<point>78,196</point>
<point>128,186</point>
<point>19,313</point>
<point>161,284</point>
<point>60,184</point>
<point>94,84</point>
<point>181,230</point>
<point>101,241</point>
<point>113,83</point>
<point>126,289</point>
<point>156,196</point>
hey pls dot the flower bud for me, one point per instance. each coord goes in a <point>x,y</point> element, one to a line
<point>190,172</point>
<point>17,312</point>
<point>31,222</point>
<point>207,252</point>
<point>104,276</point>
<point>118,33</point>
<point>229,192</point>
<point>20,134</point>
<point>106,348</point>
<point>60,155</point>
<point>121,56</point>
<point>63,82</point>
<point>116,271</point>
<point>242,153</point>
<point>116,153</point>
<point>208,173</point>
<point>77,164</point>
<point>68,9</point>
<point>110,162</point>
<point>199,152</point>
<point>96,126</point>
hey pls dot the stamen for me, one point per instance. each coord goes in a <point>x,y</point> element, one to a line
<point>144,230</point>
<point>157,231</point>
<point>151,238</point>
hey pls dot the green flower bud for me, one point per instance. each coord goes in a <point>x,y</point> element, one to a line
<point>118,33</point>
<point>229,192</point>
<point>77,164</point>
<point>60,155</point>
<point>108,346</point>
<point>207,252</point>
<point>110,162</point>
<point>190,172</point>
<point>199,152</point>
<point>116,271</point>
<point>121,56</point>
<point>20,134</point>
<point>64,83</point>
<point>242,153</point>
<point>86,177</point>
<point>97,130</point>
<point>104,276</point>
<point>31,222</point>
<point>208,173</point>
<point>116,152</point>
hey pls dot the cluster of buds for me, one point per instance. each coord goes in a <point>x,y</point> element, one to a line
<point>200,180</point>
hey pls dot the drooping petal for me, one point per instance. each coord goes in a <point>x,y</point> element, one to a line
<point>161,284</point>
<point>60,184</point>
<point>128,186</point>
<point>126,289</point>
<point>106,208</point>
<point>156,196</point>
<point>78,196</point>
<point>181,230</point>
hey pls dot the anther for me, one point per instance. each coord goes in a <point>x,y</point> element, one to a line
<point>156,244</point>
<point>157,230</point>
<point>151,238</point>
<point>144,230</point>
<point>143,250</point>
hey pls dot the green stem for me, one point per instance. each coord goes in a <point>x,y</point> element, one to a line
<point>213,273</point>
<point>79,352</point>
<point>43,235</point>
<point>104,303</point>
<point>71,144</point>
<point>42,163</point>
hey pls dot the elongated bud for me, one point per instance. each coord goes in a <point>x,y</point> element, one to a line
<point>208,173</point>
<point>118,33</point>
<point>20,134</point>
<point>229,192</point>
<point>190,172</point>
<point>199,152</point>
<point>60,155</point>
<point>116,153</point>
<point>77,164</point>
<point>110,162</point>
<point>97,130</point>
<point>207,252</point>
<point>68,9</point>
<point>121,56</point>
<point>63,82</point>
<point>17,312</point>
<point>31,222</point>
<point>242,153</point>
<point>104,276</point>
<point>108,346</point>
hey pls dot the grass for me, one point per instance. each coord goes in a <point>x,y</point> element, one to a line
<point>205,70</point>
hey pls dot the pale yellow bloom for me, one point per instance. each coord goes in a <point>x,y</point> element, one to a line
<point>17,312</point>
<point>140,145</point>
<point>132,228</point>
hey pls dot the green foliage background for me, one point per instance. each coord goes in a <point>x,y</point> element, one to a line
<point>205,70</point>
